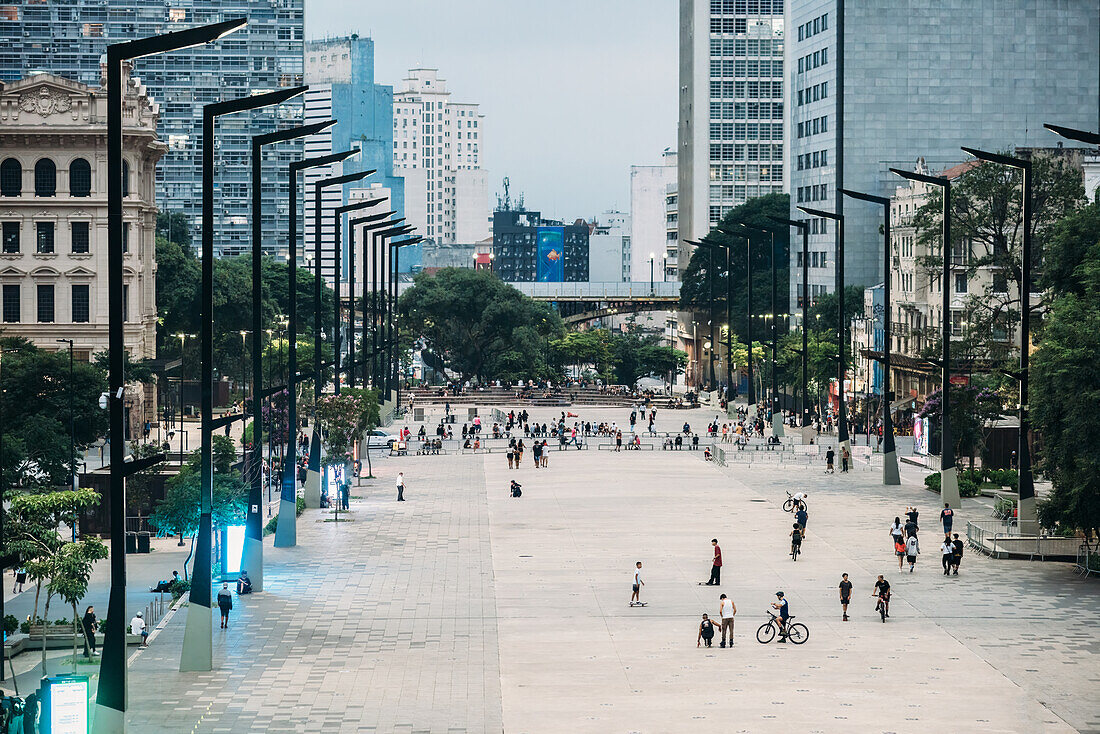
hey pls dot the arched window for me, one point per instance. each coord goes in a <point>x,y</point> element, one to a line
<point>11,178</point>
<point>45,178</point>
<point>80,178</point>
<point>125,178</point>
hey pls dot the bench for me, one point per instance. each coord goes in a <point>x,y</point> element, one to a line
<point>643,446</point>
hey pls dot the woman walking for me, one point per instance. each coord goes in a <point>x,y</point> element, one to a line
<point>90,625</point>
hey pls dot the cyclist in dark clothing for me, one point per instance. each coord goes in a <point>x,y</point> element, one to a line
<point>784,615</point>
<point>882,591</point>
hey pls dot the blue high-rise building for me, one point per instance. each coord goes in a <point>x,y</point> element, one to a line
<point>68,38</point>
<point>340,74</point>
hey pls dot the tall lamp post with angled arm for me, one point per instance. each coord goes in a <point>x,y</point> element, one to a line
<point>711,246</point>
<point>197,654</point>
<point>337,278</point>
<point>890,473</point>
<point>774,408</point>
<point>804,228</point>
<point>312,493</point>
<point>389,301</point>
<point>949,477</point>
<point>110,711</point>
<point>286,530</point>
<point>378,273</point>
<point>354,224</point>
<point>841,408</point>
<point>252,559</point>
<point>745,235</point>
<point>395,355</point>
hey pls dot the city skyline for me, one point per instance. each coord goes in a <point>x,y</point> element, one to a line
<point>583,166</point>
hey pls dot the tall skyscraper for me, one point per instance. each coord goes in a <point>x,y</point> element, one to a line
<point>731,110</point>
<point>68,39</point>
<point>437,148</point>
<point>919,80</point>
<point>340,74</point>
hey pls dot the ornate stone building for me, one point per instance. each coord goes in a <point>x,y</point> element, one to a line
<point>53,216</point>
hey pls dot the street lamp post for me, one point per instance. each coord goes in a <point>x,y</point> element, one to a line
<point>313,474</point>
<point>337,277</point>
<point>378,271</point>
<point>394,352</point>
<point>748,309</point>
<point>354,224</point>
<point>949,478</point>
<point>890,472</point>
<point>842,411</point>
<point>369,224</point>
<point>1027,518</point>
<point>804,228</point>
<point>110,712</point>
<point>197,652</point>
<point>389,341</point>
<point>286,530</point>
<point>711,247</point>
<point>774,406</point>
<point>253,556</point>
<point>652,258</point>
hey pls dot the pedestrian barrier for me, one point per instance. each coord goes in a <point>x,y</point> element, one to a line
<point>1088,559</point>
<point>626,447</point>
<point>997,540</point>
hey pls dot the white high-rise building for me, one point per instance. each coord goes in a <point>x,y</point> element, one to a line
<point>437,149</point>
<point>650,218</point>
<point>609,247</point>
<point>731,128</point>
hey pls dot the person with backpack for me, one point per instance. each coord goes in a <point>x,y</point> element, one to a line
<point>706,632</point>
<point>830,456</point>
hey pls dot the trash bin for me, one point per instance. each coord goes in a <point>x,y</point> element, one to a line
<point>131,542</point>
<point>143,542</point>
<point>418,415</point>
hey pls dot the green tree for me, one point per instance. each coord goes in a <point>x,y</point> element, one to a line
<point>1065,375</point>
<point>637,354</point>
<point>345,419</point>
<point>34,402</point>
<point>973,409</point>
<point>695,290</point>
<point>33,532</point>
<point>478,325</point>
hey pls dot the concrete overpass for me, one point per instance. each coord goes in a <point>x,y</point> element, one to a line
<point>580,302</point>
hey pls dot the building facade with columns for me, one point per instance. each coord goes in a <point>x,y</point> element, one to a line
<point>53,215</point>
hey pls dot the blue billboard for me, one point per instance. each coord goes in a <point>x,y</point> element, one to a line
<point>551,255</point>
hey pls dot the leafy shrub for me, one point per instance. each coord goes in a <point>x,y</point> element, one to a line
<point>11,623</point>
<point>179,587</point>
<point>968,487</point>
<point>299,508</point>
<point>932,481</point>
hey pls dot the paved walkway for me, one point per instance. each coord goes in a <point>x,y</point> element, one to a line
<point>463,610</point>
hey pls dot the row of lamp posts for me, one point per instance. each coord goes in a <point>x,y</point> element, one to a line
<point>197,652</point>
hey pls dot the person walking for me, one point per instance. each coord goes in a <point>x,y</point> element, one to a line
<point>845,595</point>
<point>20,579</point>
<point>911,552</point>
<point>706,631</point>
<point>716,565</point>
<point>137,627</point>
<point>400,486</point>
<point>899,551</point>
<point>519,452</point>
<point>801,516</point>
<point>897,531</point>
<point>726,609</point>
<point>845,457</point>
<point>90,624</point>
<point>225,604</point>
<point>618,440</point>
<point>956,555</point>
<point>536,453</point>
<point>830,457</point>
<point>947,548</point>
<point>947,517</point>
<point>511,455</point>
<point>545,451</point>
<point>636,598</point>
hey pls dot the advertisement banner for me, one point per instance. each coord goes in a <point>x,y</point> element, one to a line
<point>551,255</point>
<point>920,436</point>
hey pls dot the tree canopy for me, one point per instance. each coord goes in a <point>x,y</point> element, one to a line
<point>478,325</point>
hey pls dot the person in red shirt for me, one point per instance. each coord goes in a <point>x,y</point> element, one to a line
<point>716,566</point>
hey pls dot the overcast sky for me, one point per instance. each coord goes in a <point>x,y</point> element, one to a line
<point>573,91</point>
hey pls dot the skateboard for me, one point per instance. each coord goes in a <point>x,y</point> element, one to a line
<point>638,603</point>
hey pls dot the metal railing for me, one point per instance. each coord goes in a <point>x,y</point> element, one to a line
<point>999,539</point>
<point>1088,559</point>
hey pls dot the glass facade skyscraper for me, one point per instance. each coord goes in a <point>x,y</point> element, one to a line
<point>68,38</point>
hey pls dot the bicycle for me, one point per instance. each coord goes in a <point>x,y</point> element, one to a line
<point>796,548</point>
<point>791,504</point>
<point>796,633</point>
<point>881,607</point>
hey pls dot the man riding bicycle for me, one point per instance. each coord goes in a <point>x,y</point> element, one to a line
<point>882,591</point>
<point>784,615</point>
<point>796,539</point>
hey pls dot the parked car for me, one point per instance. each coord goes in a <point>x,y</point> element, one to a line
<point>380,439</point>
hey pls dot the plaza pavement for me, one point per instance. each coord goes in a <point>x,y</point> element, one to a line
<point>463,610</point>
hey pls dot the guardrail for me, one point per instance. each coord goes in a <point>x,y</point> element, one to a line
<point>997,539</point>
<point>1088,560</point>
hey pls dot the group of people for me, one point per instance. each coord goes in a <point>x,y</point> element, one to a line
<point>907,543</point>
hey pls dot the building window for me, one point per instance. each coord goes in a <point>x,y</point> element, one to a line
<point>125,178</point>
<point>81,237</point>
<point>45,178</point>
<point>960,282</point>
<point>82,304</point>
<point>125,303</point>
<point>45,304</point>
<point>11,304</point>
<point>11,236</point>
<point>125,236</point>
<point>11,178</point>
<point>80,178</point>
<point>45,237</point>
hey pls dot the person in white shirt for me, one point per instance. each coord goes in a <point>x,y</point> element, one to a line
<point>400,486</point>
<point>637,584</point>
<point>948,551</point>
<point>799,499</point>
<point>726,609</point>
<point>137,627</point>
<point>911,552</point>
